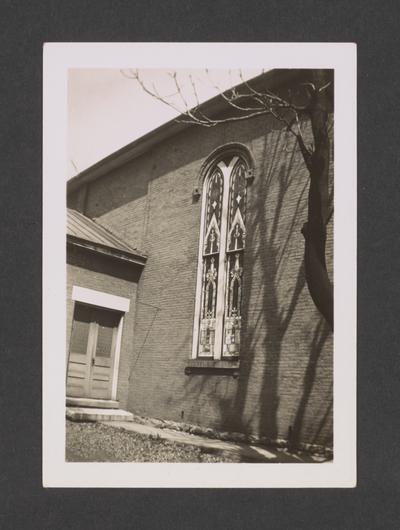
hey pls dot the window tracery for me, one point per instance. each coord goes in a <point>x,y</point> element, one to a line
<point>234,261</point>
<point>222,247</point>
<point>211,249</point>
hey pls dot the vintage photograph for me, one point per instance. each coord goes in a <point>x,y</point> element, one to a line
<point>200,265</point>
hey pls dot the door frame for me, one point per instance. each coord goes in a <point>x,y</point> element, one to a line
<point>105,301</point>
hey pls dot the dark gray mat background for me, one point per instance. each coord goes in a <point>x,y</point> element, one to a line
<point>373,25</point>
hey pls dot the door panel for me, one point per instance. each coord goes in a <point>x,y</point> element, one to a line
<point>100,390</point>
<point>92,352</point>
<point>102,365</point>
<point>101,373</point>
<point>77,380</point>
<point>80,329</point>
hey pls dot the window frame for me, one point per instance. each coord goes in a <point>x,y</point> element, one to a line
<point>226,170</point>
<point>102,300</point>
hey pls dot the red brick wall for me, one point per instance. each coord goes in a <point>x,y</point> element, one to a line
<point>90,270</point>
<point>286,361</point>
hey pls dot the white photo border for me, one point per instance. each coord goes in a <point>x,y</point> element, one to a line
<point>58,58</point>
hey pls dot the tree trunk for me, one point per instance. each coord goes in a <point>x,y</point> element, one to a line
<point>314,230</point>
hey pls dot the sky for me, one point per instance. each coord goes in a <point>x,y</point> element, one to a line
<point>107,109</point>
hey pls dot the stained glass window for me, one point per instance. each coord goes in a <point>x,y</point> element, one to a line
<point>221,267</point>
<point>234,260</point>
<point>211,256</point>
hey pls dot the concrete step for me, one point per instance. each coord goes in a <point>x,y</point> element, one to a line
<point>97,414</point>
<point>89,402</point>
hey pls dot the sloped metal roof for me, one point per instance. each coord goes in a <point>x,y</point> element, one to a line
<point>81,228</point>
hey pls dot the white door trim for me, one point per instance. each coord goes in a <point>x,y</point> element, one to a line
<point>106,301</point>
<point>116,359</point>
<point>92,297</point>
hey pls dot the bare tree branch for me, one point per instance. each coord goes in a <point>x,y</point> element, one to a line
<point>325,86</point>
<point>194,90</point>
<point>246,102</point>
<point>268,103</point>
<point>136,77</point>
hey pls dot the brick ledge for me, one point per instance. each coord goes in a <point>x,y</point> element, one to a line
<point>209,366</point>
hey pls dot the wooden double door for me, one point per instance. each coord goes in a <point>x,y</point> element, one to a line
<point>92,352</point>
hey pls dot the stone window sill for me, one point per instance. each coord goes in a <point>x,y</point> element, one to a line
<point>211,366</point>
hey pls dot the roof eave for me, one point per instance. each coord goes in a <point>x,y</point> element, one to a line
<point>130,257</point>
<point>273,78</point>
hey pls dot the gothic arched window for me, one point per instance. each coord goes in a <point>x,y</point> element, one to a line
<point>218,315</point>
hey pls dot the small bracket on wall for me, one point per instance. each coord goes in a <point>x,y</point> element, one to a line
<point>196,194</point>
<point>250,175</point>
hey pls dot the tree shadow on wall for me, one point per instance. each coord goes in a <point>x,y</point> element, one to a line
<point>265,325</point>
<point>320,336</point>
<point>274,281</point>
<point>282,277</point>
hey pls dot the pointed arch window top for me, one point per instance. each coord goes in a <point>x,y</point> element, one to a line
<point>212,239</point>
<point>237,233</point>
<point>215,189</point>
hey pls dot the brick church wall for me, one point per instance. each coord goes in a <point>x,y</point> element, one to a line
<point>286,370</point>
<point>101,273</point>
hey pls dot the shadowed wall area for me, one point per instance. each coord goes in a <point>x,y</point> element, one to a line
<point>284,387</point>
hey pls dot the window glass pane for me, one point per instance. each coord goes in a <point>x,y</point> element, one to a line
<point>107,322</point>
<point>220,319</point>
<point>212,231</point>
<point>233,299</point>
<point>234,284</point>
<point>236,238</point>
<point>80,329</point>
<point>209,305</point>
<point>211,248</point>
<point>237,208</point>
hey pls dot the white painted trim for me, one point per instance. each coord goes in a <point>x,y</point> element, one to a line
<point>197,307</point>
<point>116,360</point>
<point>220,311</point>
<point>107,301</point>
<point>98,298</point>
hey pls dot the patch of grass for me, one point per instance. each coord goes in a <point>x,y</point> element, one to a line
<point>95,442</point>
